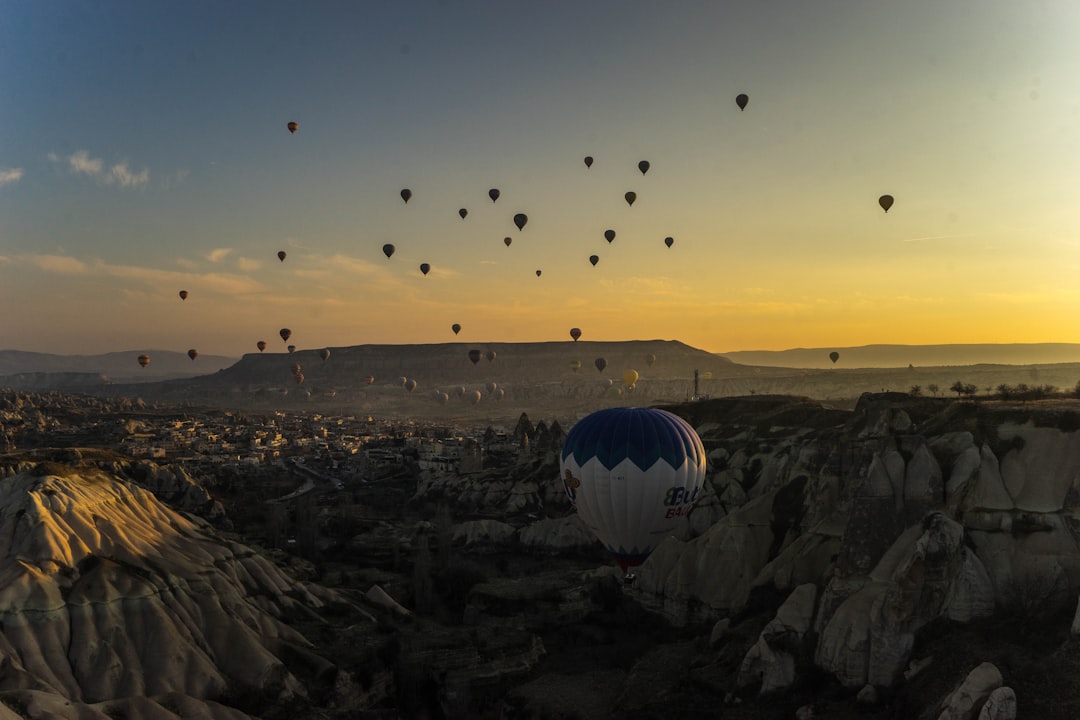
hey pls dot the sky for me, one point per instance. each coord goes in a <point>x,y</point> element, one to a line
<point>144,151</point>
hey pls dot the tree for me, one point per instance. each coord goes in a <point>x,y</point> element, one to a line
<point>916,391</point>
<point>933,388</point>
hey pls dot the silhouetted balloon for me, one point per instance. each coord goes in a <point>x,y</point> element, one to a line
<point>475,356</point>
<point>193,353</point>
<point>324,354</point>
<point>669,241</point>
<point>406,194</point>
<point>281,255</point>
<point>575,333</point>
<point>294,126</point>
<point>609,235</point>
<point>575,365</point>
<point>520,219</point>
<point>462,212</point>
<point>261,345</point>
<point>588,161</point>
<point>402,380</point>
<point>183,294</point>
<point>410,384</point>
<point>594,259</point>
<point>388,249</point>
<point>285,334</point>
<point>537,273</point>
<point>291,349</point>
<point>493,193</point>
<point>425,268</point>
<point>490,355</point>
<point>886,202</point>
<point>144,360</point>
<point>499,394</point>
<point>600,364</point>
<point>630,198</point>
<point>741,100</point>
<point>643,166</point>
<point>299,377</point>
<point>456,328</point>
<point>491,387</point>
<point>650,359</point>
<point>295,368</point>
<point>834,356</point>
<point>473,397</point>
<point>507,241</point>
<point>368,379</point>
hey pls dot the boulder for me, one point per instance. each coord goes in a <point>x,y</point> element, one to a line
<point>966,701</point>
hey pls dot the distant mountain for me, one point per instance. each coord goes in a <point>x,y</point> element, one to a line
<point>116,366</point>
<point>893,356</point>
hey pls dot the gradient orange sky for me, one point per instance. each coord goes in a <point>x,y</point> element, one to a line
<point>143,150</point>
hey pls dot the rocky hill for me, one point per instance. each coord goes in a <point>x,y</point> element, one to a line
<point>114,366</point>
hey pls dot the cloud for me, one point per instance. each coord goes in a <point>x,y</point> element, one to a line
<point>127,179</point>
<point>153,278</point>
<point>248,264</point>
<point>10,175</point>
<point>59,264</point>
<point>218,254</point>
<point>80,163</point>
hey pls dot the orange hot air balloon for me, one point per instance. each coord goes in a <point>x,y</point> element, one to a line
<point>193,353</point>
<point>183,294</point>
<point>281,255</point>
<point>285,334</point>
<point>144,360</point>
<point>293,127</point>
<point>261,345</point>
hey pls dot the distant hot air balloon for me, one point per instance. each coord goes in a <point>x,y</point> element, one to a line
<point>388,250</point>
<point>462,212</point>
<point>575,365</point>
<point>609,235</point>
<point>442,397</point>
<point>834,356</point>
<point>499,394</point>
<point>630,198</point>
<point>707,375</point>
<point>507,241</point>
<point>741,100</point>
<point>281,255</point>
<point>261,345</point>
<point>493,193</point>
<point>410,384</point>
<point>538,273</point>
<point>295,368</point>
<point>491,387</point>
<point>473,397</point>
<point>650,359</point>
<point>456,328</point>
<point>285,334</point>
<point>632,474</point>
<point>183,294</point>
<point>368,379</point>
<point>459,391</point>
<point>490,355</point>
<point>520,219</point>
<point>475,356</point>
<point>402,380</point>
<point>600,364</point>
<point>425,268</point>
<point>594,259</point>
<point>886,202</point>
<point>299,377</point>
<point>630,377</point>
<point>588,161</point>
<point>406,194</point>
<point>291,349</point>
<point>324,354</point>
<point>144,360</point>
<point>294,126</point>
<point>614,392</point>
<point>575,333</point>
<point>669,241</point>
<point>193,353</point>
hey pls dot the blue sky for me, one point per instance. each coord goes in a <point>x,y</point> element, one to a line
<point>143,150</point>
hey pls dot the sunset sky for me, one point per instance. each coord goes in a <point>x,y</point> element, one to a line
<point>144,150</point>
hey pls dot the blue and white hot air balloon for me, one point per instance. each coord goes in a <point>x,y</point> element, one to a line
<point>632,473</point>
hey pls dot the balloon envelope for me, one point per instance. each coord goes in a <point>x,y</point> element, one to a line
<point>650,359</point>
<point>834,356</point>
<point>507,241</point>
<point>425,268</point>
<point>600,364</point>
<point>575,365</point>
<point>632,474</point>
<point>183,294</point>
<point>462,212</point>
<point>406,194</point>
<point>292,349</point>
<point>261,345</point>
<point>575,333</point>
<point>594,259</point>
<point>643,166</point>
<point>324,354</point>
<point>609,235</point>
<point>144,360</point>
<point>193,353</point>
<point>493,193</point>
<point>630,377</point>
<point>294,126</point>
<point>475,356</point>
<point>281,255</point>
<point>886,202</point>
<point>669,241</point>
<point>588,161</point>
<point>456,328</point>
<point>630,198</point>
<point>388,249</point>
<point>490,355</point>
<point>285,334</point>
<point>741,100</point>
<point>520,219</point>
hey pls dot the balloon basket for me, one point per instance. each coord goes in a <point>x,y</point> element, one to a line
<point>628,579</point>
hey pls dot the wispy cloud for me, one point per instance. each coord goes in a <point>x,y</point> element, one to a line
<point>248,264</point>
<point>81,163</point>
<point>59,264</point>
<point>218,254</point>
<point>10,175</point>
<point>154,278</point>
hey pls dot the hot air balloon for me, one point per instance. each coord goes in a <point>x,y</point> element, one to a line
<point>183,294</point>
<point>630,377</point>
<point>643,166</point>
<point>575,333</point>
<point>193,353</point>
<point>614,392</point>
<point>834,356</point>
<point>588,161</point>
<point>630,198</point>
<point>261,345</point>
<point>406,194</point>
<point>293,127</point>
<point>369,379</point>
<point>144,360</point>
<point>499,394</point>
<point>291,349</point>
<point>609,235</point>
<point>493,193</point>
<point>650,359</point>
<point>425,268</point>
<point>295,368</point>
<point>462,212</point>
<point>741,100</point>
<point>281,255</point>
<point>410,384</point>
<point>456,328</point>
<point>441,397</point>
<point>402,380</point>
<point>475,356</point>
<point>669,241</point>
<point>490,355</point>
<point>632,473</point>
<point>520,219</point>
<point>459,391</point>
<point>285,334</point>
<point>594,259</point>
<point>299,377</point>
<point>388,249</point>
<point>538,273</point>
<point>491,386</point>
<point>575,365</point>
<point>886,202</point>
<point>473,397</point>
<point>324,354</point>
<point>600,364</point>
<point>507,241</point>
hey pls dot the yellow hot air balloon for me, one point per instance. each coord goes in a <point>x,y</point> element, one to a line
<point>630,377</point>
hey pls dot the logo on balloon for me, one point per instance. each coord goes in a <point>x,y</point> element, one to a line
<point>571,484</point>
